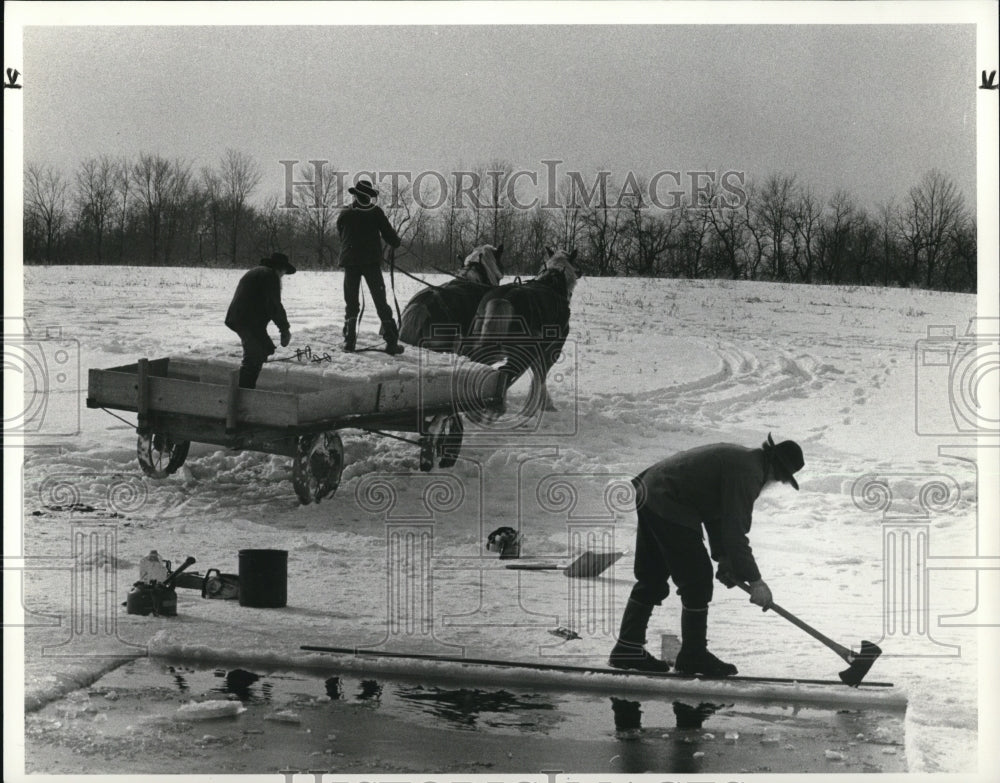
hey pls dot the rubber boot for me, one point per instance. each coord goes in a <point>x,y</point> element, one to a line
<point>694,657</point>
<point>350,334</point>
<point>391,335</point>
<point>630,651</point>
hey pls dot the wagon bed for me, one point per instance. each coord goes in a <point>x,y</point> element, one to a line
<point>296,410</point>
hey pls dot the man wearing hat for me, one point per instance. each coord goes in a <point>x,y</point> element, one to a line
<point>361,227</point>
<point>255,304</point>
<point>712,487</point>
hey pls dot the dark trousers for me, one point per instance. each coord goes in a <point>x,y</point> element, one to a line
<point>257,346</point>
<point>352,289</point>
<point>665,550</point>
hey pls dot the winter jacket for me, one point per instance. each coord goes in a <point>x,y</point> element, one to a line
<point>360,229</point>
<point>714,486</point>
<point>257,302</point>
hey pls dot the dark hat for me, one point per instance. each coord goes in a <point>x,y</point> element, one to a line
<point>364,187</point>
<point>279,261</point>
<point>786,457</point>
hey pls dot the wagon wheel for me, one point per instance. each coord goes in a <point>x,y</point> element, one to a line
<point>441,442</point>
<point>160,455</point>
<point>318,465</point>
<point>427,452</point>
<point>448,442</point>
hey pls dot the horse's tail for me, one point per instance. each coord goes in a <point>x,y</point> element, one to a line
<point>415,323</point>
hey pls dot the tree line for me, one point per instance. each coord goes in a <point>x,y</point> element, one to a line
<point>159,211</point>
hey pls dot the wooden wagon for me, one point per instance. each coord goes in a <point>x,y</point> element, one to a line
<point>296,410</point>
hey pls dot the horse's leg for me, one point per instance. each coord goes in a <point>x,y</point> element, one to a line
<point>492,328</point>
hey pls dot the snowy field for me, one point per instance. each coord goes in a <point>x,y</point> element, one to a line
<point>396,559</point>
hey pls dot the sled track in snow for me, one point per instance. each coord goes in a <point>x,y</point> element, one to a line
<point>742,380</point>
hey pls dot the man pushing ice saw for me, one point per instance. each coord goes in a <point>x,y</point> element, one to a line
<point>714,487</point>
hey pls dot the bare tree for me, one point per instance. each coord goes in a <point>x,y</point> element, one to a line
<point>649,235</point>
<point>933,210</point>
<point>805,221</point>
<point>211,184</point>
<point>316,206</point>
<point>45,203</point>
<point>603,224</point>
<point>775,211</point>
<point>754,224</point>
<point>498,203</point>
<point>239,175</point>
<point>95,198</point>
<point>182,209</point>
<point>730,229</point>
<point>835,234</point>
<point>151,177</point>
<point>965,253</point>
<point>694,230</point>
<point>122,180</point>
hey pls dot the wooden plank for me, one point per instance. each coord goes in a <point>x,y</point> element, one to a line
<point>142,395</point>
<point>232,400</point>
<point>200,430</point>
<point>171,395</point>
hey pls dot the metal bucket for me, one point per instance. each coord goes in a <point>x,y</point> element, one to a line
<point>263,577</point>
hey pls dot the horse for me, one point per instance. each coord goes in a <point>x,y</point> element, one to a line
<point>523,326</point>
<point>438,318</point>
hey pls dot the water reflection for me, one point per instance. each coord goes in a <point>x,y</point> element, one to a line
<point>689,717</point>
<point>370,691</point>
<point>641,752</point>
<point>468,707</point>
<point>239,683</point>
<point>334,688</point>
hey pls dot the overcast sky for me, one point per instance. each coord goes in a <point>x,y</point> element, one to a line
<point>864,108</point>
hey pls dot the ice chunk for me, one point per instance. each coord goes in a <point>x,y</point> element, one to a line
<point>207,710</point>
<point>698,754</point>
<point>833,755</point>
<point>284,716</point>
<point>732,736</point>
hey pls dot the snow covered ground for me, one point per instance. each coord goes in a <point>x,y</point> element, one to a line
<point>396,559</point>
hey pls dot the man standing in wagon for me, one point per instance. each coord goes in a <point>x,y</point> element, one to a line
<point>255,304</point>
<point>362,226</point>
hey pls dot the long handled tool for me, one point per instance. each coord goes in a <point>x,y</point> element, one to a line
<point>586,566</point>
<point>858,663</point>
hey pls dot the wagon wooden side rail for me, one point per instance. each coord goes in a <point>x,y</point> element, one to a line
<point>176,405</point>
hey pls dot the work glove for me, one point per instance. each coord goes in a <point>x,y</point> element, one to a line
<point>725,574</point>
<point>286,338</point>
<point>760,594</point>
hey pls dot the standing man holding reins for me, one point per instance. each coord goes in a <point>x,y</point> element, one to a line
<point>712,487</point>
<point>362,226</point>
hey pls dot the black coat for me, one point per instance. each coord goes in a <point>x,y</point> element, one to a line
<point>257,302</point>
<point>714,486</point>
<point>361,229</point>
